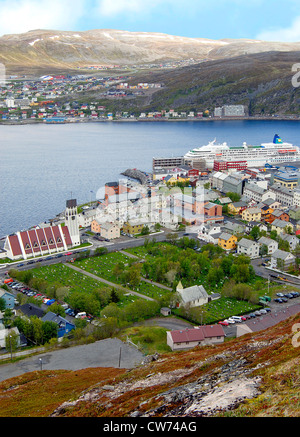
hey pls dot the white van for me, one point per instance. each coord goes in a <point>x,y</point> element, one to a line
<point>80,315</point>
<point>236,318</point>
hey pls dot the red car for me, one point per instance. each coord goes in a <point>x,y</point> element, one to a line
<point>224,323</point>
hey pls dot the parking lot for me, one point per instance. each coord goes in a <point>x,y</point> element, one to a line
<point>271,307</point>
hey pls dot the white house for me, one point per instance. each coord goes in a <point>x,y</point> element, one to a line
<point>291,239</point>
<point>198,336</point>
<point>209,232</point>
<point>271,244</point>
<point>248,247</point>
<point>193,296</point>
<point>281,257</point>
<point>110,231</point>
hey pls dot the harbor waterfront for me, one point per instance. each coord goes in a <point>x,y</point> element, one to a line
<point>43,165</point>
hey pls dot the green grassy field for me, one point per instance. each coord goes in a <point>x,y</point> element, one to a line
<point>75,281</point>
<point>103,267</point>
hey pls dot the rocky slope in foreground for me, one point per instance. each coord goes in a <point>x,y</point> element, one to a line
<point>254,375</point>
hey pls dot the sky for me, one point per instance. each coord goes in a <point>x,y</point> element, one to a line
<point>270,20</point>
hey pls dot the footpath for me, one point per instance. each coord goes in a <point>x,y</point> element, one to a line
<point>111,284</point>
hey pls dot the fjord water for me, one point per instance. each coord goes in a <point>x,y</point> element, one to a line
<point>44,165</point>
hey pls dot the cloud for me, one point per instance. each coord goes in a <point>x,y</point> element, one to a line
<point>18,16</point>
<point>290,34</point>
<point>110,8</point>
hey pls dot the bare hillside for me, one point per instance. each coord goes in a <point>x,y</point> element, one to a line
<point>68,50</point>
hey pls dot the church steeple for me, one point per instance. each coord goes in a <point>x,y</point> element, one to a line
<point>71,217</point>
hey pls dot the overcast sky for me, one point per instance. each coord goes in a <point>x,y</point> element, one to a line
<point>271,20</point>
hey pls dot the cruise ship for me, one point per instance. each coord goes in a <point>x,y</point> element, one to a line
<point>272,153</point>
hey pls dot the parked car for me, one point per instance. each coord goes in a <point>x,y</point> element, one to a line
<point>231,320</point>
<point>288,295</point>
<point>262,311</point>
<point>295,293</point>
<point>284,299</point>
<point>278,300</point>
<point>252,315</point>
<point>268,310</point>
<point>279,294</point>
<point>237,319</point>
<point>257,313</point>
<point>224,323</point>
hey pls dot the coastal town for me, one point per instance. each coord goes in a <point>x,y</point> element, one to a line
<point>79,98</point>
<point>244,215</point>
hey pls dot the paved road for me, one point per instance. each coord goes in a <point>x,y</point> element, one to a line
<point>104,353</point>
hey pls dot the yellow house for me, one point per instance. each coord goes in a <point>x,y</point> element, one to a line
<point>236,207</point>
<point>133,227</point>
<point>251,214</point>
<point>227,241</point>
<point>266,211</point>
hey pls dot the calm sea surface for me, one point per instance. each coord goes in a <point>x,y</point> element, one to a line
<point>42,166</point>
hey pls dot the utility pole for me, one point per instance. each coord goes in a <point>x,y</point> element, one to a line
<point>120,356</point>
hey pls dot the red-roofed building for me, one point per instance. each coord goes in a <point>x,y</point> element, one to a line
<point>37,242</point>
<point>198,336</point>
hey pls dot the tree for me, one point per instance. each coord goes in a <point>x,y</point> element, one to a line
<point>2,304</point>
<point>255,232</point>
<point>157,227</point>
<point>235,197</point>
<point>112,311</point>
<point>145,230</point>
<point>280,264</point>
<point>49,331</point>
<point>37,329</point>
<point>215,275</point>
<point>11,341</point>
<point>263,250</point>
<point>57,309</point>
<point>114,297</point>
<point>101,251</point>
<point>133,275</point>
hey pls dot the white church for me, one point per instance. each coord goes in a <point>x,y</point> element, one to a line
<point>45,240</point>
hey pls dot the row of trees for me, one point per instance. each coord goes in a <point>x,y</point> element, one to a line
<point>169,265</point>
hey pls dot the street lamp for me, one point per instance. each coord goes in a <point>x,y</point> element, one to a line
<point>10,347</point>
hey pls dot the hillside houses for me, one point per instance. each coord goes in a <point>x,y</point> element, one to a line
<point>272,208</point>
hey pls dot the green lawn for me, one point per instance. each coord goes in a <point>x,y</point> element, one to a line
<point>219,309</point>
<point>69,278</point>
<point>75,281</point>
<point>103,266</point>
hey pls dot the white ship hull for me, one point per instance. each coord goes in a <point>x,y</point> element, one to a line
<point>256,156</point>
